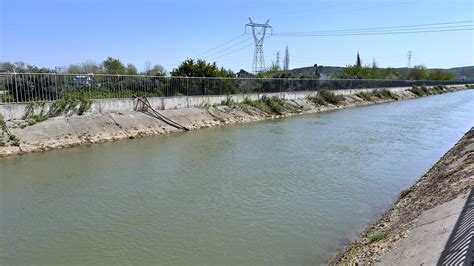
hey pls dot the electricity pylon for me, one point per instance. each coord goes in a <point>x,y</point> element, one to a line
<point>410,54</point>
<point>259,31</point>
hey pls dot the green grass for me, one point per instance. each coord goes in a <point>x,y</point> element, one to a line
<point>6,97</point>
<point>15,140</point>
<point>228,101</point>
<point>364,95</point>
<point>36,119</point>
<point>330,97</point>
<point>3,123</point>
<point>268,104</point>
<point>384,94</point>
<point>276,104</point>
<point>76,103</point>
<point>377,236</point>
<point>325,97</point>
<point>420,91</point>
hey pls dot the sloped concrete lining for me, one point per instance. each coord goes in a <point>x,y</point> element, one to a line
<point>425,245</point>
<point>17,110</point>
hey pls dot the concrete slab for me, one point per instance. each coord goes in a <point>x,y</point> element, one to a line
<point>427,239</point>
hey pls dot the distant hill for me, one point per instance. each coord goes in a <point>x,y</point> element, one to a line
<point>466,72</point>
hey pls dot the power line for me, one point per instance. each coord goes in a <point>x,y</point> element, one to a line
<point>220,45</point>
<point>230,47</point>
<point>377,33</point>
<point>231,52</point>
<point>414,26</point>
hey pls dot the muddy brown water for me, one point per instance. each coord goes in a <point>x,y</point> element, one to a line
<point>286,191</point>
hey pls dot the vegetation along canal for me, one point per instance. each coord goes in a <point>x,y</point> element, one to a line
<point>289,191</point>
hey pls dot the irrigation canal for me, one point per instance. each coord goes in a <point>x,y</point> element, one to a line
<point>286,191</point>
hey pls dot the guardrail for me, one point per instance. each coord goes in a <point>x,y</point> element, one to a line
<point>34,87</point>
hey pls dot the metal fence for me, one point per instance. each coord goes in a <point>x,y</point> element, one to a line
<point>29,87</point>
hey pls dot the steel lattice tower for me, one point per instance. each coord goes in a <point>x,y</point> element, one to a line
<point>259,31</point>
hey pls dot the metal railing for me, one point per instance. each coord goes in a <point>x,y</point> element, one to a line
<point>33,87</point>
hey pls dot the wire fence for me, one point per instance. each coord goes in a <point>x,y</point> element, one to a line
<point>34,87</point>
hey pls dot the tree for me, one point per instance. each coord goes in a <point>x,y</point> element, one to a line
<point>85,68</point>
<point>131,70</point>
<point>418,72</point>
<point>200,68</point>
<point>440,75</point>
<point>358,61</point>
<point>114,66</point>
<point>155,70</point>
<point>20,67</point>
<point>317,70</point>
<point>286,60</point>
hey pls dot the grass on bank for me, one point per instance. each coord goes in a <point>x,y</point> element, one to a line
<point>377,236</point>
<point>365,95</point>
<point>424,91</point>
<point>267,104</point>
<point>69,104</point>
<point>385,94</point>
<point>3,123</point>
<point>14,140</point>
<point>325,97</point>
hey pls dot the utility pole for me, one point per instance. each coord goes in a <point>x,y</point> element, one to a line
<point>286,62</point>
<point>410,54</point>
<point>278,59</point>
<point>259,31</point>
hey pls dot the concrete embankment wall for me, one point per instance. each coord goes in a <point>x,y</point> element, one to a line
<point>431,223</point>
<point>115,119</point>
<point>18,110</point>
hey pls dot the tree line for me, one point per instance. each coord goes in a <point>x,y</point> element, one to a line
<point>418,72</point>
<point>202,68</point>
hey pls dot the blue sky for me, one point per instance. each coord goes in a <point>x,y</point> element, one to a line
<point>57,33</point>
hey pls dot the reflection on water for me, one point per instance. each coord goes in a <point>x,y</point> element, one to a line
<point>287,191</point>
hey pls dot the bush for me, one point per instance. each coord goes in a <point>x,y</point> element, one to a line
<point>420,91</point>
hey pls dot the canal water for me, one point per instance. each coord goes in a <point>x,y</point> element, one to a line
<point>285,191</point>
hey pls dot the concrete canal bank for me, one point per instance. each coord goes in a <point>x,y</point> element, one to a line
<point>27,127</point>
<point>431,223</point>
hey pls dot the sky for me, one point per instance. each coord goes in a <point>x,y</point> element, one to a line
<point>55,33</point>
